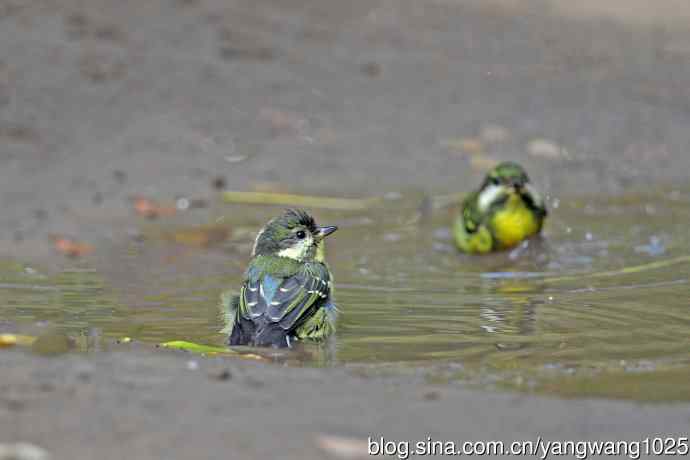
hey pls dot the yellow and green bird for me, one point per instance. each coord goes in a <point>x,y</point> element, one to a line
<point>505,210</point>
<point>287,290</point>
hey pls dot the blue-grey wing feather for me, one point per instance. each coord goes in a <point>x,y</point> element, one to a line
<point>287,302</point>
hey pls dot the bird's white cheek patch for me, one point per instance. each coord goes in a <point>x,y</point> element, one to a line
<point>298,251</point>
<point>488,196</point>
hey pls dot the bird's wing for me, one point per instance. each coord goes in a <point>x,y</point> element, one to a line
<point>286,301</point>
<point>534,200</point>
<point>472,217</point>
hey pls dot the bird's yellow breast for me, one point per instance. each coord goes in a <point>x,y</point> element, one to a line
<point>514,222</point>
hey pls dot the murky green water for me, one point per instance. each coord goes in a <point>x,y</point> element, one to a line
<point>580,313</point>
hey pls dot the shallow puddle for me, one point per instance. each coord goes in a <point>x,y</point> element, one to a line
<point>599,307</point>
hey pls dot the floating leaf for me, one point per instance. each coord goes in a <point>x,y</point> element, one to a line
<point>7,340</point>
<point>11,340</point>
<point>196,348</point>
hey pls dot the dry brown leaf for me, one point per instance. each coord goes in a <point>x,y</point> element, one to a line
<point>150,209</point>
<point>200,236</point>
<point>69,247</point>
<point>252,356</point>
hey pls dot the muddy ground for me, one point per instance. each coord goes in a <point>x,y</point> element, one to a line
<point>149,406</point>
<point>102,100</point>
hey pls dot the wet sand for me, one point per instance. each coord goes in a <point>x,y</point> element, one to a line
<point>148,406</point>
<point>103,100</point>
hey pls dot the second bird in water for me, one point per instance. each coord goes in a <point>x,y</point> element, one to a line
<point>505,210</point>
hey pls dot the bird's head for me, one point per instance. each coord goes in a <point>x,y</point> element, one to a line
<point>294,234</point>
<point>503,181</point>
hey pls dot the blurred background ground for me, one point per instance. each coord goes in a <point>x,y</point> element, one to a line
<point>100,100</point>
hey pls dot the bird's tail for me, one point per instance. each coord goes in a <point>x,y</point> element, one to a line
<point>272,335</point>
<point>246,332</point>
<point>242,333</point>
<point>227,308</point>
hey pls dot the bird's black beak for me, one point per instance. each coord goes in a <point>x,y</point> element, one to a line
<point>323,232</point>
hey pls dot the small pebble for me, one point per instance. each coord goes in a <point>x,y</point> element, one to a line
<point>392,196</point>
<point>545,148</point>
<point>182,204</point>
<point>120,176</point>
<point>235,158</point>
<point>97,198</point>
<point>392,237</point>
<point>432,396</point>
<point>219,183</point>
<point>23,451</point>
<point>494,134</point>
<point>371,69</point>
<point>223,375</point>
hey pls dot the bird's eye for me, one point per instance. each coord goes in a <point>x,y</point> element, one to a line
<point>495,181</point>
<point>301,235</point>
